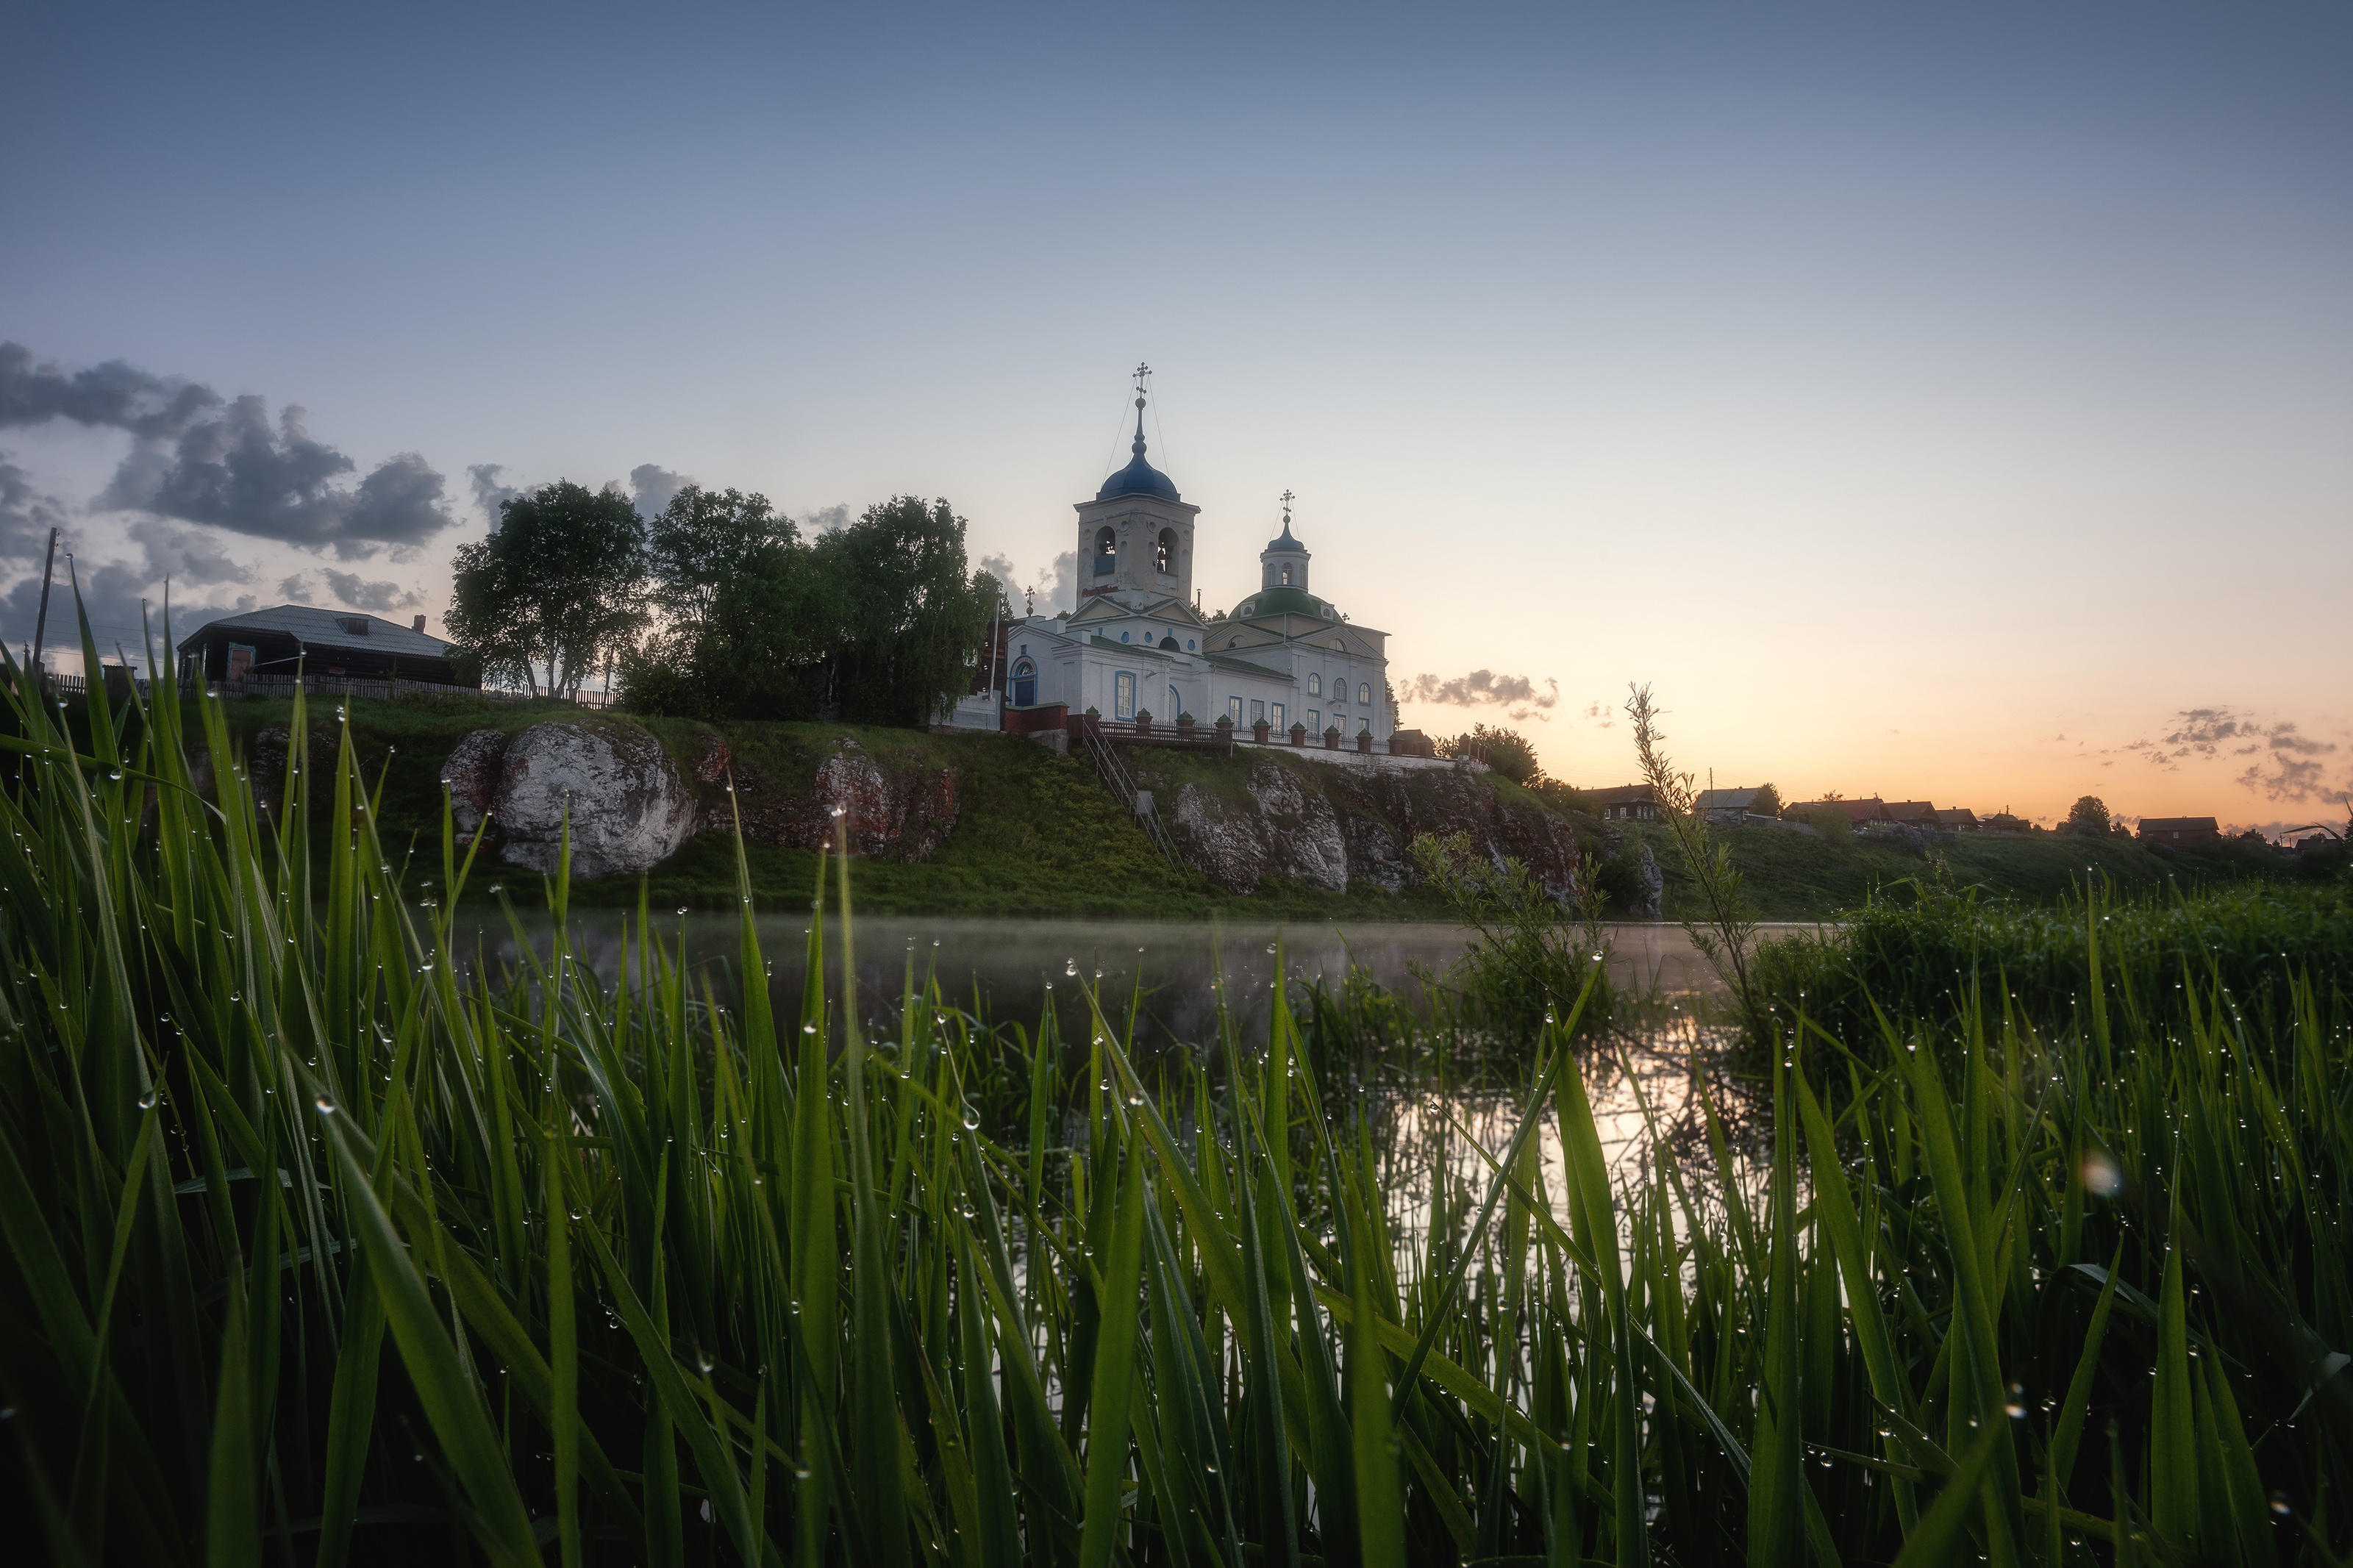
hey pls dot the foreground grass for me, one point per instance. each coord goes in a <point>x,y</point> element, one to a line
<point>321,1246</point>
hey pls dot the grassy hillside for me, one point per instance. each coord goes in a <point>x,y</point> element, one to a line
<point>1038,834</point>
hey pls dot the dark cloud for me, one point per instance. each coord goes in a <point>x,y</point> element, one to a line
<point>1061,583</point>
<point>348,589</point>
<point>199,457</point>
<point>489,494</point>
<point>1516,694</point>
<point>188,556</point>
<point>294,589</point>
<point>26,515</point>
<point>114,595</point>
<point>2289,765</point>
<point>650,489</point>
<point>827,520</point>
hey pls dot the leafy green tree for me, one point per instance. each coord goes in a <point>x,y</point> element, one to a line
<point>2088,815</point>
<point>747,610</point>
<point>908,613</point>
<point>1768,802</point>
<point>560,583</point>
<point>1505,751</point>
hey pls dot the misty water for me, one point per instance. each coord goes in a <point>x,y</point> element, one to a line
<point>1639,1076</point>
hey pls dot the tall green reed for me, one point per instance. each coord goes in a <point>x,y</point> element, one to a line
<point>329,1242</point>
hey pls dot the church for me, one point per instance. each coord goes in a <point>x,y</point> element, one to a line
<point>1138,643</point>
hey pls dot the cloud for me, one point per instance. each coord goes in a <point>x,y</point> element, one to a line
<point>1001,568</point>
<point>1060,583</point>
<point>652,487</point>
<point>1516,694</point>
<point>199,457</point>
<point>2288,765</point>
<point>827,520</point>
<point>183,555</point>
<point>348,589</point>
<point>489,494</point>
<point>295,588</point>
<point>26,515</point>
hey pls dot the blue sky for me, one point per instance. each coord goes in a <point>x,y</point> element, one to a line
<point>1955,405</point>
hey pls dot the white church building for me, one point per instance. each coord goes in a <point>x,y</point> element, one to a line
<point>1138,643</point>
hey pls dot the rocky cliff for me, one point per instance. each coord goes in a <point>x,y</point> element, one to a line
<point>1333,826</point>
<point>989,812</point>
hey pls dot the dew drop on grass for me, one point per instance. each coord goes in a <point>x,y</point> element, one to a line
<point>2101,1176</point>
<point>703,1362</point>
<point>326,1104</point>
<point>147,1102</point>
<point>2280,1505</point>
<point>971,1119</point>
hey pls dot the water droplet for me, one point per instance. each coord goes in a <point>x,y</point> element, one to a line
<point>971,1118</point>
<point>2280,1505</point>
<point>147,1101</point>
<point>2101,1177</point>
<point>326,1104</point>
<point>703,1362</point>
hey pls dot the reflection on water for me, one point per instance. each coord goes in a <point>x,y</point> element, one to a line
<point>1009,970</point>
<point>1013,970</point>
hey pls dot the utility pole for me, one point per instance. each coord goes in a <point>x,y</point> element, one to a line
<point>41,622</point>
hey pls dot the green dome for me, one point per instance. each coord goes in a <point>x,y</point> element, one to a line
<point>1280,601</point>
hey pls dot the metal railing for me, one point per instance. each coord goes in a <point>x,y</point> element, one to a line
<point>1123,789</point>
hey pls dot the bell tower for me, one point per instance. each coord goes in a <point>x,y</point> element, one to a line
<point>1135,538</point>
<point>1283,563</point>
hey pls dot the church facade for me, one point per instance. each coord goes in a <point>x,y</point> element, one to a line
<point>1138,643</point>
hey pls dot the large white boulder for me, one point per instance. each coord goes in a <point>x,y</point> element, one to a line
<point>628,808</point>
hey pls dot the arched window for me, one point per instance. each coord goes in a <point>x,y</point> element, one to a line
<point>1025,684</point>
<point>1314,684</point>
<point>1169,642</point>
<point>1106,551</point>
<point>1364,692</point>
<point>1164,553</point>
<point>1286,576</point>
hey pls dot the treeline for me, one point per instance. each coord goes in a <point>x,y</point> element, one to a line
<point>719,607</point>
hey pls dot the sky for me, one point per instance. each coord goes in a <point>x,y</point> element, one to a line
<point>1933,403</point>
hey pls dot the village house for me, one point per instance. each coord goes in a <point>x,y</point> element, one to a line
<point>2180,832</point>
<point>1956,819</point>
<point>1731,806</point>
<point>1627,802</point>
<point>288,638</point>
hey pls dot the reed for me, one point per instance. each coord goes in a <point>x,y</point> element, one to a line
<point>327,1243</point>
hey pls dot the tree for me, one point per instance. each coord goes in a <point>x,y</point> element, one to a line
<point>747,621</point>
<point>2088,815</point>
<point>907,615</point>
<point>1768,802</point>
<point>560,583</point>
<point>1505,751</point>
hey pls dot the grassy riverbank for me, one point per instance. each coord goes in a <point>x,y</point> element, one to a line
<point>1037,836</point>
<point>560,1266</point>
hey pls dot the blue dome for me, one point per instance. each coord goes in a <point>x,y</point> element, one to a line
<point>1138,478</point>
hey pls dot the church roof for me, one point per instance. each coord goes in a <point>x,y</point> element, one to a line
<point>1139,478</point>
<point>1280,601</point>
<point>1284,543</point>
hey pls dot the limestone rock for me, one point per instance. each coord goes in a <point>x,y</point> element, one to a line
<point>629,809</point>
<point>902,812</point>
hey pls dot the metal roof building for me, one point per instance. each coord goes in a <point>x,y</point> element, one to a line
<point>282,639</point>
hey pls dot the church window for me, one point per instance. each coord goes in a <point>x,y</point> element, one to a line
<point>1235,643</point>
<point>1122,637</point>
<point>1175,703</point>
<point>1364,692</point>
<point>1314,683</point>
<point>1278,716</point>
<point>1286,576</point>
<point>1169,642</point>
<point>1123,699</point>
<point>1164,553</point>
<point>1316,721</point>
<point>1025,684</point>
<point>1234,709</point>
<point>1188,645</point>
<point>1106,551</point>
<point>1364,726</point>
<point>1258,709</point>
